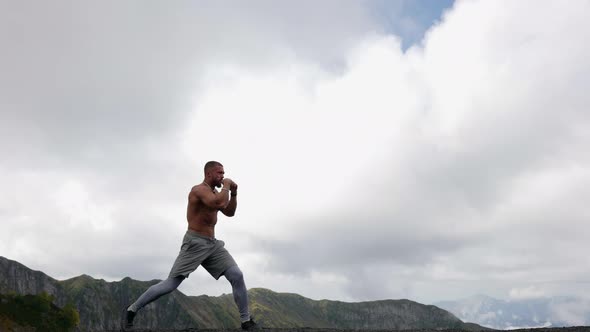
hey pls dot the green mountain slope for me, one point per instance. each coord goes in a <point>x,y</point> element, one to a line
<point>35,312</point>
<point>289,310</point>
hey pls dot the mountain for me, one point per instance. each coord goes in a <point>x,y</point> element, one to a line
<point>524,313</point>
<point>287,310</point>
<point>100,304</point>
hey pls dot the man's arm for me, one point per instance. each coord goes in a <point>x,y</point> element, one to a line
<point>214,200</point>
<point>230,209</point>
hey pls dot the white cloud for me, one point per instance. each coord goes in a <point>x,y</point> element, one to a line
<point>526,293</point>
<point>434,173</point>
<point>574,312</point>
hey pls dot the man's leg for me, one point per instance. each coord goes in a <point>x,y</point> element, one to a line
<point>155,292</point>
<point>150,295</point>
<point>219,263</point>
<point>236,278</point>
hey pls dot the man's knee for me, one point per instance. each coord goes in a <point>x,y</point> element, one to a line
<point>177,281</point>
<point>170,284</point>
<point>234,274</point>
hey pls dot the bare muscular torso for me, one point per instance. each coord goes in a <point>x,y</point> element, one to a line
<point>201,218</point>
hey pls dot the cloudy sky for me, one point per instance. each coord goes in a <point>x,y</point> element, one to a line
<point>383,149</point>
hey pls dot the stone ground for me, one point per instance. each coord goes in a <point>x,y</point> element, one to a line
<point>558,329</point>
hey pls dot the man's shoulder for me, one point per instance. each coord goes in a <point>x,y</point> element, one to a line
<point>199,188</point>
<point>196,188</point>
<point>196,193</point>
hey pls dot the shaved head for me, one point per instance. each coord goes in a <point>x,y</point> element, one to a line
<point>211,164</point>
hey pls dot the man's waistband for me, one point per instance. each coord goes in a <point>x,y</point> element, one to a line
<point>195,233</point>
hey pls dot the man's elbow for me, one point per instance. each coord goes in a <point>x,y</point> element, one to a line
<point>220,205</point>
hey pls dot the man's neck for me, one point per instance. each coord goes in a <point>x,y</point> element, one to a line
<point>208,185</point>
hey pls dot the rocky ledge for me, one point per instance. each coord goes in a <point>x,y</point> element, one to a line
<point>556,329</point>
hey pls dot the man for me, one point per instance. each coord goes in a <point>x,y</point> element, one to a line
<point>200,247</point>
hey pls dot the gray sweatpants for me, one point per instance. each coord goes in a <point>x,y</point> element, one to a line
<point>234,275</point>
<point>197,250</point>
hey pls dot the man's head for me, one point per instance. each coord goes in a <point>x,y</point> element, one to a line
<point>214,173</point>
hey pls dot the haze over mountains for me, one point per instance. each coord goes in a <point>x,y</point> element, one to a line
<point>520,313</point>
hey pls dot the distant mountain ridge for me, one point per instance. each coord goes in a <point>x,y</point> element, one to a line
<point>523,313</point>
<point>100,303</point>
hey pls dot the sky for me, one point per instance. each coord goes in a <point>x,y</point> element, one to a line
<point>428,150</point>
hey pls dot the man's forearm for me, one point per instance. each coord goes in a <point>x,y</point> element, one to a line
<point>233,204</point>
<point>223,197</point>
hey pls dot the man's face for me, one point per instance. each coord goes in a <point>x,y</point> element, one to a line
<point>216,175</point>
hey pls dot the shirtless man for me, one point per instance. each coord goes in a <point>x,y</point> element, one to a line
<point>200,247</point>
